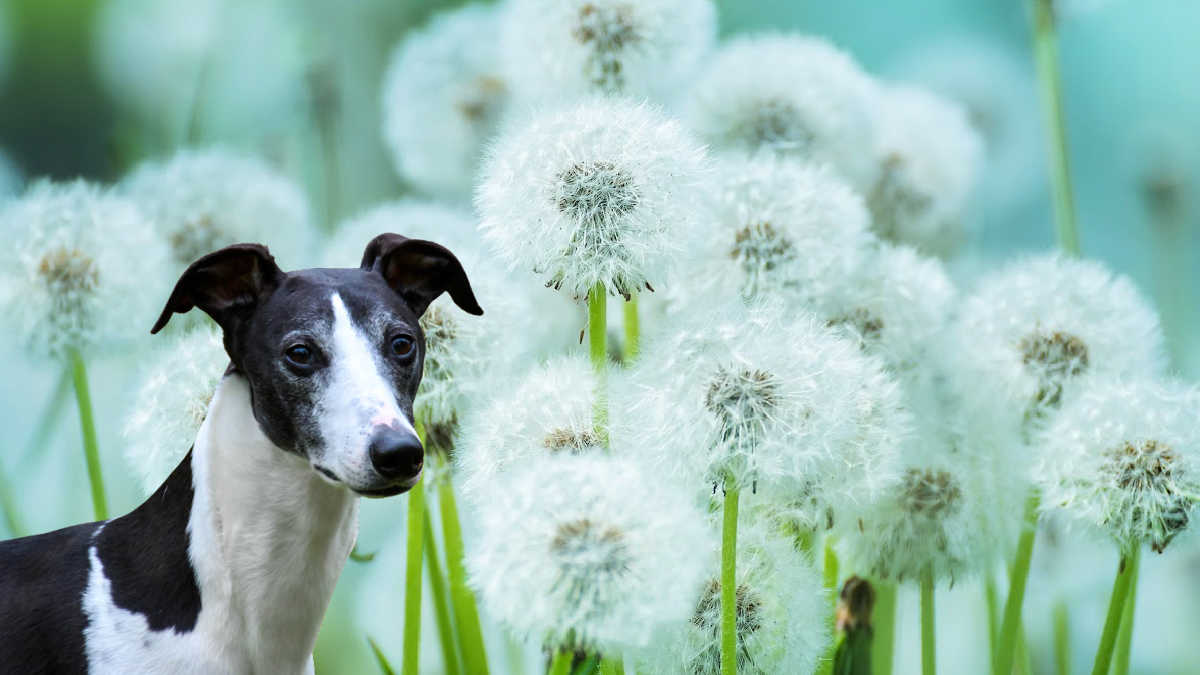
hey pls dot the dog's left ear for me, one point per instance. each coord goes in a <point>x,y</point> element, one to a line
<point>420,271</point>
<point>225,284</point>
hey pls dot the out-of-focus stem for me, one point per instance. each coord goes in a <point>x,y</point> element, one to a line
<point>466,615</point>
<point>410,660</point>
<point>1116,609</point>
<point>91,449</point>
<point>729,583</point>
<point>1045,50</point>
<point>441,607</point>
<point>989,595</point>
<point>829,574</point>
<point>928,636</point>
<point>598,350</point>
<point>1125,636</point>
<point>632,329</point>
<point>885,628</point>
<point>1062,639</point>
<point>561,664</point>
<point>1019,575</point>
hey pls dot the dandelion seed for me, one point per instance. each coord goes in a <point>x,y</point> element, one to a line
<point>1121,458</point>
<point>596,193</point>
<point>202,200</point>
<point>812,103</point>
<point>556,51</point>
<point>581,552</point>
<point>444,96</point>
<point>929,158</point>
<point>68,279</point>
<point>172,402</point>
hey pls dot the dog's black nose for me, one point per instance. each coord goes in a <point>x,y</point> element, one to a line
<point>396,454</point>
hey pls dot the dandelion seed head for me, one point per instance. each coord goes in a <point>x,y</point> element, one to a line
<point>444,95</point>
<point>812,103</point>
<point>171,403</point>
<point>598,192</point>
<point>68,282</point>
<point>556,51</point>
<point>1121,458</point>
<point>582,552</point>
<point>928,163</point>
<point>203,200</point>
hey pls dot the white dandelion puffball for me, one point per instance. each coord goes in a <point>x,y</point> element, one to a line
<point>549,411</point>
<point>777,229</point>
<point>760,398</point>
<point>590,552</point>
<point>465,356</point>
<point>226,65</point>
<point>1124,458</point>
<point>84,269</point>
<point>792,95</point>
<point>781,610</point>
<point>172,402</point>
<point>595,193</point>
<point>995,85</point>
<point>203,200</point>
<point>1031,331</point>
<point>928,157</point>
<point>443,97</point>
<point>557,50</point>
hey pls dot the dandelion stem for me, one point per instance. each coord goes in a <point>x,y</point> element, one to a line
<point>610,666</point>
<point>928,646</point>
<point>1062,639</point>
<point>441,607</point>
<point>561,664</point>
<point>1125,636</point>
<point>410,662</point>
<point>598,349</point>
<point>1045,50</point>
<point>632,329</point>
<point>829,573</point>
<point>588,666</point>
<point>380,658</point>
<point>466,616</point>
<point>885,628</point>
<point>989,595</point>
<point>1116,609</point>
<point>729,583</point>
<point>12,516</point>
<point>1011,624</point>
<point>91,449</point>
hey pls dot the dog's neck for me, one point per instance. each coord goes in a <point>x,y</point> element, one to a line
<point>268,537</point>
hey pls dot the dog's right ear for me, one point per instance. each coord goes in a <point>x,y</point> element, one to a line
<point>224,284</point>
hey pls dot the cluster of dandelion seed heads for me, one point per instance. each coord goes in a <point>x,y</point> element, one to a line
<point>69,282</point>
<point>171,403</point>
<point>813,103</point>
<point>929,158</point>
<point>444,96</point>
<point>582,552</point>
<point>556,51</point>
<point>1122,459</point>
<point>202,200</point>
<point>779,614</point>
<point>595,193</point>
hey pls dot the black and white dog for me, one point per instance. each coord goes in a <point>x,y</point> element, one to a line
<point>229,566</point>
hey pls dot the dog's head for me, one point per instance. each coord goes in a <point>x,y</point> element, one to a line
<point>333,356</point>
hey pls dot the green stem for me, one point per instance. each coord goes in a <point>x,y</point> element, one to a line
<point>1125,636</point>
<point>610,666</point>
<point>1019,575</point>
<point>884,619</point>
<point>829,573</point>
<point>410,660</point>
<point>989,595</point>
<point>12,516</point>
<point>380,658</point>
<point>561,664</point>
<point>928,646</point>
<point>729,583</point>
<point>91,449</point>
<point>588,666</point>
<point>466,615</point>
<point>632,329</point>
<point>1045,50</point>
<point>598,350</point>
<point>1116,609</point>
<point>441,607</point>
<point>1062,639</point>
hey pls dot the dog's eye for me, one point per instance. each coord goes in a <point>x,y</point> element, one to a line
<point>299,355</point>
<point>402,345</point>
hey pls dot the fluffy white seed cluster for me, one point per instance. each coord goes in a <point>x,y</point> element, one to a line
<point>790,95</point>
<point>172,402</point>
<point>69,281</point>
<point>444,95</point>
<point>781,612</point>
<point>1122,458</point>
<point>754,398</point>
<point>595,193</point>
<point>560,50</point>
<point>1032,331</point>
<point>202,200</point>
<point>778,228</point>
<point>548,412</point>
<point>928,158</point>
<point>584,551</point>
